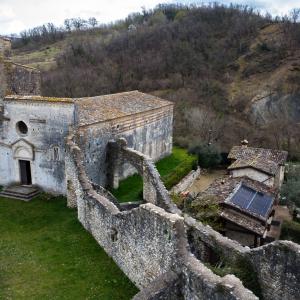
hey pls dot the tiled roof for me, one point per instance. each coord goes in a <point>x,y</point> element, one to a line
<point>266,160</point>
<point>243,220</point>
<point>224,188</point>
<point>101,108</point>
<point>265,165</point>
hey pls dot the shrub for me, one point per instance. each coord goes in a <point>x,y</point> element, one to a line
<point>291,188</point>
<point>179,172</point>
<point>208,155</point>
<point>290,230</point>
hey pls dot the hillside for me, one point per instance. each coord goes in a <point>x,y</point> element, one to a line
<point>232,73</point>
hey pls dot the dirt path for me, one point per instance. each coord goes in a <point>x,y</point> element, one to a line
<point>205,179</point>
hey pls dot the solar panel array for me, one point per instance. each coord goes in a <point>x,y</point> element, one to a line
<point>250,200</point>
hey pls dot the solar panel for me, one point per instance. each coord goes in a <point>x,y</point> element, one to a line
<point>261,204</point>
<point>242,196</point>
<point>250,200</point>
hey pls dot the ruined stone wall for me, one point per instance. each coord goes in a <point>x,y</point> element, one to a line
<point>148,132</point>
<point>278,268</point>
<point>22,80</point>
<point>16,79</point>
<point>186,182</point>
<point>146,242</point>
<point>163,253</point>
<point>276,265</point>
<point>153,189</point>
<point>5,46</point>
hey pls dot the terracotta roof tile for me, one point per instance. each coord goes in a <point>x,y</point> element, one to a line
<point>223,188</point>
<point>101,108</point>
<point>266,160</point>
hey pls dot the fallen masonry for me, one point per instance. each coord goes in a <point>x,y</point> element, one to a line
<point>165,253</point>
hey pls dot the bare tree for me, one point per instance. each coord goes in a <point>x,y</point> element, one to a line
<point>92,22</point>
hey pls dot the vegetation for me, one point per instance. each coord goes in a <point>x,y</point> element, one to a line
<point>290,191</point>
<point>290,230</point>
<point>172,169</point>
<point>46,254</point>
<point>212,60</point>
<point>242,269</point>
<point>208,155</point>
<point>205,208</point>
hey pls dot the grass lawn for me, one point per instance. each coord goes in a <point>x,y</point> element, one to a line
<point>172,169</point>
<point>46,254</point>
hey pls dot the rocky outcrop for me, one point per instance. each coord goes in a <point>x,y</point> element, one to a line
<point>269,107</point>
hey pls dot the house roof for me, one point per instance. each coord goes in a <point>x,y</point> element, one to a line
<point>264,165</point>
<point>223,190</point>
<point>101,108</point>
<point>223,187</point>
<point>265,160</point>
<point>243,220</point>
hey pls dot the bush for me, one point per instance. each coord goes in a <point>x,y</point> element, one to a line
<point>179,172</point>
<point>290,231</point>
<point>291,188</point>
<point>208,155</point>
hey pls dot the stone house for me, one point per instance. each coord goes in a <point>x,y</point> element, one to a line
<point>263,165</point>
<point>246,208</point>
<point>33,130</point>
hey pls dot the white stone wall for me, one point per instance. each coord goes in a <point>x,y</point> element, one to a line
<point>254,174</point>
<point>48,125</point>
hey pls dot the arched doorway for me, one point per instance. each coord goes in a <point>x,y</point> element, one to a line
<point>23,154</point>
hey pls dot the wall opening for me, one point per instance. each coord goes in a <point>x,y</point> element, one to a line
<point>25,172</point>
<point>22,128</point>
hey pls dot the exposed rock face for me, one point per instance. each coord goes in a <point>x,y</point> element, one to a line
<point>274,106</point>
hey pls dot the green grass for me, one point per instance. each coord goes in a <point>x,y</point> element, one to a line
<point>46,254</point>
<point>172,169</point>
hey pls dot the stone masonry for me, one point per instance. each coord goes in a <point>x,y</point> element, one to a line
<point>163,252</point>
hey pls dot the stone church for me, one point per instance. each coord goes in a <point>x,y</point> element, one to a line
<point>33,130</point>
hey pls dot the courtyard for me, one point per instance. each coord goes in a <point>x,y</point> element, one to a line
<point>46,254</point>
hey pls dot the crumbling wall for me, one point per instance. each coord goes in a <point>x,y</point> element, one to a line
<point>163,253</point>
<point>15,78</point>
<point>146,242</point>
<point>154,190</point>
<point>278,268</point>
<point>276,265</point>
<point>22,80</point>
<point>5,46</point>
<point>186,182</point>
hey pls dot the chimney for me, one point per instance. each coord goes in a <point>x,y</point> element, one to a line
<point>244,143</point>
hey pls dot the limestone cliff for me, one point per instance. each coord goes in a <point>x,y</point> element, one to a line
<point>265,82</point>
